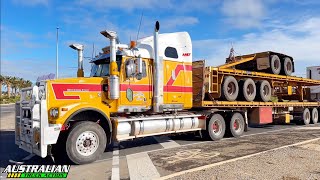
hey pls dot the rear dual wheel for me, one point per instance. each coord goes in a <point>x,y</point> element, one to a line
<point>263,91</point>
<point>248,89</point>
<point>284,67</point>
<point>314,115</point>
<point>306,116</point>
<point>287,66</point>
<point>229,88</point>
<point>236,125</point>
<point>215,128</point>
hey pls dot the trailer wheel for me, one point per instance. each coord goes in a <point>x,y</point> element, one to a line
<point>236,125</point>
<point>86,142</point>
<point>264,91</point>
<point>306,116</point>
<point>314,115</point>
<point>216,127</point>
<point>287,66</point>
<point>248,89</point>
<point>275,64</point>
<point>230,88</point>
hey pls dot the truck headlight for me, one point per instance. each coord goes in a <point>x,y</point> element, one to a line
<point>54,112</point>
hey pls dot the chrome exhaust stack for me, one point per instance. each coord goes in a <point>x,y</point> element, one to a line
<point>158,73</point>
<point>79,48</point>
<point>114,83</point>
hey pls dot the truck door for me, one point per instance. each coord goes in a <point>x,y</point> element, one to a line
<point>174,82</point>
<point>135,90</point>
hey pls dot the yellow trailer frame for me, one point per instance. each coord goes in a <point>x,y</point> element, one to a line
<point>209,79</point>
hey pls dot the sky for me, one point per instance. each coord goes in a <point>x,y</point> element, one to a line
<point>28,30</point>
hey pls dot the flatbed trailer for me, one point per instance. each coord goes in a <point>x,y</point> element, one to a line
<point>268,61</point>
<point>212,78</point>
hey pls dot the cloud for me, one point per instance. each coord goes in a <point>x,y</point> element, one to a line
<point>243,13</point>
<point>300,40</point>
<point>128,5</point>
<point>32,2</point>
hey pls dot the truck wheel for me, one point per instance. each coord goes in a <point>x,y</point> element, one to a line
<point>306,116</point>
<point>264,91</point>
<point>230,88</point>
<point>248,89</point>
<point>287,66</point>
<point>86,142</point>
<point>275,64</point>
<point>216,127</point>
<point>314,115</point>
<point>236,125</point>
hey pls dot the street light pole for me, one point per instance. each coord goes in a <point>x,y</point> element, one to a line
<point>57,54</point>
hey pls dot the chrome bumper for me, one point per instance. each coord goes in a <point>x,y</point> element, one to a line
<point>33,133</point>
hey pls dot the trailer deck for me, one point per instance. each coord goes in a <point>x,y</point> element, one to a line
<point>257,104</point>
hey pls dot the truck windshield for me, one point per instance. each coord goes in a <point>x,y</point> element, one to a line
<point>100,68</point>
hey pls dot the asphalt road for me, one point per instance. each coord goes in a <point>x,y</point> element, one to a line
<point>155,157</point>
<point>6,109</point>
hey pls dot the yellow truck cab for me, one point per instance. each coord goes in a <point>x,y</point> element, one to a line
<point>153,76</point>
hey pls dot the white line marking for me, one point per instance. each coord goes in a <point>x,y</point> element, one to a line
<point>28,157</point>
<point>309,128</point>
<point>15,162</point>
<point>141,167</point>
<point>166,142</point>
<point>115,172</point>
<point>232,160</point>
<point>313,147</point>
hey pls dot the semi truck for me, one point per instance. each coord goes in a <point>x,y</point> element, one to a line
<point>313,72</point>
<point>147,88</point>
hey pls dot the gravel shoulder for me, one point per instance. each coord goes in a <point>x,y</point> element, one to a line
<point>296,162</point>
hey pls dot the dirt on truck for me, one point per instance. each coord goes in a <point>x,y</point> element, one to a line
<point>152,87</point>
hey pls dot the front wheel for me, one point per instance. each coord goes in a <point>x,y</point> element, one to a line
<point>86,142</point>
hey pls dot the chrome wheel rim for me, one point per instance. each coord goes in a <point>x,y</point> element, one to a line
<point>87,143</point>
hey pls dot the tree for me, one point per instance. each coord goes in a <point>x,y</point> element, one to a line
<point>8,82</point>
<point>1,83</point>
<point>14,85</point>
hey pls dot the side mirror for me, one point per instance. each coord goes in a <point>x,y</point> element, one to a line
<point>139,67</point>
<point>130,68</point>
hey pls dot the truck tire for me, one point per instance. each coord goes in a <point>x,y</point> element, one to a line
<point>287,66</point>
<point>216,127</point>
<point>314,115</point>
<point>230,88</point>
<point>248,89</point>
<point>306,116</point>
<point>86,142</point>
<point>263,91</point>
<point>236,125</point>
<point>275,64</point>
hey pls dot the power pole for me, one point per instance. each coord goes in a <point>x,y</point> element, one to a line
<point>57,54</point>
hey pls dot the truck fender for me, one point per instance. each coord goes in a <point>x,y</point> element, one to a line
<point>90,109</point>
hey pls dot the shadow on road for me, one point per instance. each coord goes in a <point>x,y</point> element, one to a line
<point>9,151</point>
